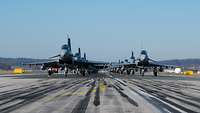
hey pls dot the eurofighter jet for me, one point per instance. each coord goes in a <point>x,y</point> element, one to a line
<point>67,60</point>
<point>143,63</point>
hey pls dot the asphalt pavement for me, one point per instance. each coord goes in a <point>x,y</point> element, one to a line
<point>99,93</point>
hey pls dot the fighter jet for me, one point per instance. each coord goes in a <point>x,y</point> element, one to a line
<point>67,60</point>
<point>145,63</point>
<point>128,65</point>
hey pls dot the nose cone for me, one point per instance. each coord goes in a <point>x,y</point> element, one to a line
<point>63,53</point>
<point>142,57</point>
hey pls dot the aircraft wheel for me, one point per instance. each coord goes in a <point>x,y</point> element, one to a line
<point>155,72</point>
<point>133,72</point>
<point>128,72</point>
<point>83,72</point>
<point>50,73</point>
<point>142,73</point>
<point>66,72</point>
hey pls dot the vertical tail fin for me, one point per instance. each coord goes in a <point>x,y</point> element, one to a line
<point>132,57</point>
<point>69,43</point>
<point>84,56</point>
<point>79,53</point>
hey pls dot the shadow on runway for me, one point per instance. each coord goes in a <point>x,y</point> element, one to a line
<point>74,76</point>
<point>159,77</point>
<point>54,76</point>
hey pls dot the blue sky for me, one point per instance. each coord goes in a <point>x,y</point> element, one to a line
<point>104,29</point>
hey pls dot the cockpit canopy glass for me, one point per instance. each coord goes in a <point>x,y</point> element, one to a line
<point>66,47</point>
<point>143,52</point>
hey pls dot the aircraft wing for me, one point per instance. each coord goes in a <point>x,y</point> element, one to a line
<point>130,65</point>
<point>157,64</point>
<point>124,65</point>
<point>45,63</point>
<point>41,62</point>
<point>127,65</point>
<point>89,63</point>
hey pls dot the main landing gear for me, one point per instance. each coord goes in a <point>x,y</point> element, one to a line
<point>83,72</point>
<point>66,71</point>
<point>49,72</point>
<point>155,71</point>
<point>142,71</point>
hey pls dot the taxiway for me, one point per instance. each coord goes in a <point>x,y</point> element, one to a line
<point>99,93</point>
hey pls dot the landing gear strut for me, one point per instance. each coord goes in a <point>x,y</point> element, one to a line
<point>83,72</point>
<point>155,71</point>
<point>66,72</point>
<point>142,71</point>
<point>50,72</point>
<point>128,72</point>
<point>133,72</point>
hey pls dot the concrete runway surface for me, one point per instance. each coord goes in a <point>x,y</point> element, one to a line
<point>99,93</point>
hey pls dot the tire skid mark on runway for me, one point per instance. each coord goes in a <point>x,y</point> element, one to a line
<point>119,89</point>
<point>83,104</point>
<point>109,93</point>
<point>112,98</point>
<point>198,90</point>
<point>117,103</point>
<point>97,95</point>
<point>28,97</point>
<point>3,86</point>
<point>49,101</point>
<point>12,92</point>
<point>131,101</point>
<point>31,97</point>
<point>157,102</point>
<point>163,96</point>
<point>24,91</point>
<point>71,88</point>
<point>170,91</point>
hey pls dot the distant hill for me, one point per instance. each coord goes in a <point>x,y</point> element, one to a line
<point>8,63</point>
<point>5,66</point>
<point>187,63</point>
<point>19,61</point>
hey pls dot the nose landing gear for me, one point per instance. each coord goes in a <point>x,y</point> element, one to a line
<point>155,71</point>
<point>66,71</point>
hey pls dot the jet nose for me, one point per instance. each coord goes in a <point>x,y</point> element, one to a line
<point>64,53</point>
<point>142,57</point>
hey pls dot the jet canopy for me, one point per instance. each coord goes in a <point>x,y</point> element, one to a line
<point>66,47</point>
<point>143,52</point>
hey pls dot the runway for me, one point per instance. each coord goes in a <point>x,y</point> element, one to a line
<point>99,93</point>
